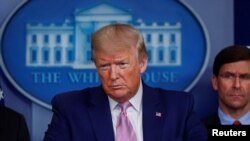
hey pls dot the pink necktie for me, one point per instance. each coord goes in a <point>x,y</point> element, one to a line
<point>124,129</point>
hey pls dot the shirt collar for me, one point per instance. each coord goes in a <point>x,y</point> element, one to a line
<point>135,101</point>
<point>227,120</point>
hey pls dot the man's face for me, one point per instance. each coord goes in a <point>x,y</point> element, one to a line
<point>233,86</point>
<point>120,72</point>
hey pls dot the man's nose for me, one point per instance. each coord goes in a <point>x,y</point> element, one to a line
<point>237,82</point>
<point>114,72</point>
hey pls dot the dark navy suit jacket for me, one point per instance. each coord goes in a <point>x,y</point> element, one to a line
<point>212,120</point>
<point>85,115</point>
<point>12,126</point>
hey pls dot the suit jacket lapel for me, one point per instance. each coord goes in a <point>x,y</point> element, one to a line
<point>100,115</point>
<point>153,115</point>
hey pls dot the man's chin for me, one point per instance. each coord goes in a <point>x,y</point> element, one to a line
<point>119,96</point>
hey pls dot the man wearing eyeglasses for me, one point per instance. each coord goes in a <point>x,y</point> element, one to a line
<point>231,80</point>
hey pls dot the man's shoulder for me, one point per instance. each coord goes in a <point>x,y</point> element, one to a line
<point>76,96</point>
<point>77,93</point>
<point>167,92</point>
<point>169,95</point>
<point>9,113</point>
<point>174,93</point>
<point>212,119</point>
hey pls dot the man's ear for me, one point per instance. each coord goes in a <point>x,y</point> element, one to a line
<point>214,81</point>
<point>143,65</point>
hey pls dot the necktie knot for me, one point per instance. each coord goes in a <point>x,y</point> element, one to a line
<point>236,122</point>
<point>124,106</point>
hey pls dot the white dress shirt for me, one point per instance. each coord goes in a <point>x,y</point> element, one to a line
<point>134,113</point>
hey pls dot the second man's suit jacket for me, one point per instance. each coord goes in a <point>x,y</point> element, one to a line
<point>85,115</point>
<point>212,120</point>
<point>13,126</point>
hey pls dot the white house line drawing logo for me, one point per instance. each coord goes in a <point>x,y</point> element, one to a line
<point>68,44</point>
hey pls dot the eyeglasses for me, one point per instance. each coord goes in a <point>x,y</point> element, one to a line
<point>232,77</point>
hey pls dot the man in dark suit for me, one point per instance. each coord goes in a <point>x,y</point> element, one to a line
<point>12,125</point>
<point>231,80</point>
<point>93,114</point>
